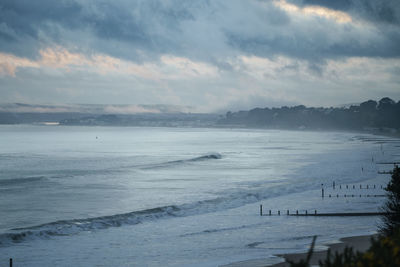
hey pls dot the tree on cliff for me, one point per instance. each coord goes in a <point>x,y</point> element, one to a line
<point>391,219</point>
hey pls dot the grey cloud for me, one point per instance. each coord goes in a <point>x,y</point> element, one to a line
<point>387,11</point>
<point>318,45</point>
<point>201,30</point>
<point>112,26</point>
<point>22,21</point>
<point>336,4</point>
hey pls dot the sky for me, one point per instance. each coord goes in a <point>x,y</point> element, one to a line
<point>210,55</point>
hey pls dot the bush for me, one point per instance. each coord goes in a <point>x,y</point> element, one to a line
<point>385,251</point>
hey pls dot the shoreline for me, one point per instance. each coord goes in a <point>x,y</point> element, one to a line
<point>358,243</point>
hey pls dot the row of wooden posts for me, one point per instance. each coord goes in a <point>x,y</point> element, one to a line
<point>352,195</point>
<point>354,187</point>
<point>279,212</point>
<point>315,213</point>
<point>347,187</point>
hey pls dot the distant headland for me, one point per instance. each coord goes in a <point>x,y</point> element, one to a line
<point>371,116</point>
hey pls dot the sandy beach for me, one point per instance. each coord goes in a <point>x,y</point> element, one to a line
<point>358,243</point>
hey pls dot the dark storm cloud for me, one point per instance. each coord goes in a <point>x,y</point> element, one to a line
<point>387,11</point>
<point>25,22</point>
<point>336,4</point>
<point>25,16</point>
<point>200,30</point>
<point>320,40</point>
<point>135,23</point>
<point>22,20</point>
<point>315,47</point>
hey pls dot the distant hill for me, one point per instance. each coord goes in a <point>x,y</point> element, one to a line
<point>371,115</point>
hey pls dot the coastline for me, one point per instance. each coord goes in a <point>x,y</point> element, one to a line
<point>358,243</point>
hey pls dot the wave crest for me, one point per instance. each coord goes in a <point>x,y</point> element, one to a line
<point>167,164</point>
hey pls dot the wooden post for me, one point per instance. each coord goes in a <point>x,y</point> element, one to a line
<point>269,212</point>
<point>287,212</point>
<point>10,262</point>
<point>333,184</point>
<point>340,186</point>
<point>329,195</point>
<point>337,195</point>
<point>315,212</point>
<point>297,212</point>
<point>322,193</point>
<point>279,212</point>
<point>306,212</point>
<point>260,210</point>
<point>374,186</point>
<point>354,186</point>
<point>347,186</point>
<point>360,186</point>
<point>367,186</point>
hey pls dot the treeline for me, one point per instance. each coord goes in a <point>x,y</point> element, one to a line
<point>369,115</point>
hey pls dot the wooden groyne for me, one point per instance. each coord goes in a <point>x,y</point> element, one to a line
<point>341,214</point>
<point>385,172</point>
<point>353,195</point>
<point>353,186</point>
<point>317,214</point>
<point>334,190</point>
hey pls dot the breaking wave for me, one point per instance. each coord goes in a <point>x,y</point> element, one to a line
<point>210,156</point>
<point>76,226</point>
<point>14,181</point>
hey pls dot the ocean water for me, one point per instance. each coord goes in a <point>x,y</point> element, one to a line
<point>116,196</point>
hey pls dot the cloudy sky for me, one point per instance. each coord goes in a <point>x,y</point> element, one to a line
<point>212,55</point>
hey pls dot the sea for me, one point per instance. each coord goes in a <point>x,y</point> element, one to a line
<point>136,196</point>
